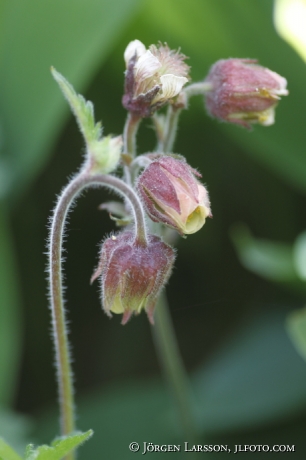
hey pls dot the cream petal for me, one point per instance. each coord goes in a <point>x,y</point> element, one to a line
<point>266,118</point>
<point>146,66</point>
<point>171,86</point>
<point>136,46</point>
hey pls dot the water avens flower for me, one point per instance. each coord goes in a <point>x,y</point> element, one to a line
<point>132,275</point>
<point>172,195</point>
<point>243,92</point>
<point>153,77</point>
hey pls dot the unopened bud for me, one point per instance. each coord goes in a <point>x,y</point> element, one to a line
<point>153,77</point>
<point>173,196</point>
<point>132,275</point>
<point>243,92</point>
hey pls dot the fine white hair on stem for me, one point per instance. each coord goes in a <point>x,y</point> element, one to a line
<point>57,236</point>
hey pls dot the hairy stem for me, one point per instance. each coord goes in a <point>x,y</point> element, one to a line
<point>64,372</point>
<point>172,364</point>
<point>171,128</point>
<point>171,122</point>
<point>196,89</point>
<point>129,134</point>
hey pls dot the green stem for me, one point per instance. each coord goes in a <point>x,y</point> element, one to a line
<point>64,371</point>
<point>171,128</point>
<point>196,89</point>
<point>129,134</point>
<point>172,364</point>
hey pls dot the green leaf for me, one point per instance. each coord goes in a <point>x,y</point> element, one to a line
<point>271,260</point>
<point>10,321</point>
<point>82,109</point>
<point>104,153</point>
<point>15,429</point>
<point>60,447</point>
<point>299,255</point>
<point>6,452</point>
<point>296,327</point>
<point>121,414</point>
<point>255,379</point>
<point>75,37</point>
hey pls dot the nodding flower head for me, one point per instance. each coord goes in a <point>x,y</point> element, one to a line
<point>243,92</point>
<point>153,77</point>
<point>172,195</point>
<point>132,275</point>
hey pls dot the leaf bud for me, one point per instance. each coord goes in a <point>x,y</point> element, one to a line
<point>132,275</point>
<point>104,154</point>
<point>243,92</point>
<point>172,195</point>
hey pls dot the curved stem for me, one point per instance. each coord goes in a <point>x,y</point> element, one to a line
<point>172,364</point>
<point>64,372</point>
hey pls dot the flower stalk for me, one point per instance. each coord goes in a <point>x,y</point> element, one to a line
<point>129,134</point>
<point>172,364</point>
<point>60,334</point>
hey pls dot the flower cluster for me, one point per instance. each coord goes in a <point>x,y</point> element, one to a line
<point>238,91</point>
<point>135,264</point>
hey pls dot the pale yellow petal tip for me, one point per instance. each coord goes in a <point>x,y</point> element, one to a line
<point>196,220</point>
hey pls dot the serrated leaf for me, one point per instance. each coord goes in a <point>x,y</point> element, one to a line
<point>59,448</point>
<point>82,109</point>
<point>6,452</point>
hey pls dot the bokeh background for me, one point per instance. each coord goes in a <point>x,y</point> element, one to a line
<point>238,288</point>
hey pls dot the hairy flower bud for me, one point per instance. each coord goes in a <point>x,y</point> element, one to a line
<point>173,196</point>
<point>243,92</point>
<point>153,77</point>
<point>132,275</point>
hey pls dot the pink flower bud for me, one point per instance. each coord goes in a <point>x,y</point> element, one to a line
<point>132,275</point>
<point>153,77</point>
<point>243,92</point>
<point>172,195</point>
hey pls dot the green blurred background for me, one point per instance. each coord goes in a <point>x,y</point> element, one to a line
<point>235,282</point>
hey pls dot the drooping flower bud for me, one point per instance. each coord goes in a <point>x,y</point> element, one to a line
<point>132,275</point>
<point>243,92</point>
<point>153,77</point>
<point>173,196</point>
